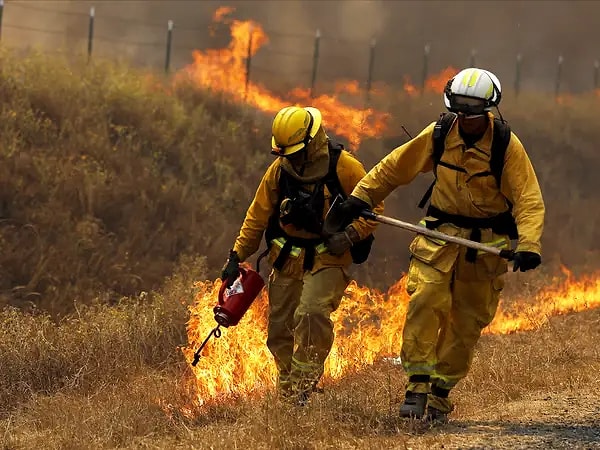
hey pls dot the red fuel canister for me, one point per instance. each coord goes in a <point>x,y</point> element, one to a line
<point>235,300</point>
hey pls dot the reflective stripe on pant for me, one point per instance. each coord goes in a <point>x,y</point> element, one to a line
<point>300,331</point>
<point>446,314</point>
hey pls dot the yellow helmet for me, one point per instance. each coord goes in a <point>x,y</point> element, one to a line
<point>293,128</point>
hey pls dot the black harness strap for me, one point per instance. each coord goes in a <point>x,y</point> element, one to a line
<point>503,223</point>
<point>275,231</point>
<point>500,224</point>
<point>500,141</point>
<point>440,131</point>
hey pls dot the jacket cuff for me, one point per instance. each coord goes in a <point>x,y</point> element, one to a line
<point>529,247</point>
<point>241,254</point>
<point>362,196</point>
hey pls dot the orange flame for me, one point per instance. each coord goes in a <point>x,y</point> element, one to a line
<point>410,88</point>
<point>368,327</point>
<point>572,295</point>
<point>221,12</point>
<point>351,87</point>
<point>435,83</point>
<point>564,99</point>
<point>224,70</point>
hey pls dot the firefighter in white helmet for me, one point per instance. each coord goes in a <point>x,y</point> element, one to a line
<point>309,268</point>
<point>485,189</point>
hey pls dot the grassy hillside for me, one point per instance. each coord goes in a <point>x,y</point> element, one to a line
<point>110,178</point>
<point>118,191</point>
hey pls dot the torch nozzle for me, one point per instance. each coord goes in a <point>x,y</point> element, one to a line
<point>217,332</point>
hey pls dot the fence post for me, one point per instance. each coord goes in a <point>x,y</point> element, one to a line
<point>518,75</point>
<point>313,79</point>
<point>596,68</point>
<point>169,41</point>
<point>472,58</point>
<point>1,14</point>
<point>425,66</point>
<point>558,75</point>
<point>248,61</point>
<point>91,33</point>
<point>370,72</point>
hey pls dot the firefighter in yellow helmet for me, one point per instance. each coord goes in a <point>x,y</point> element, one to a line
<point>309,273</point>
<point>485,189</point>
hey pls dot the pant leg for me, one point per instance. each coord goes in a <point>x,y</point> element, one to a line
<point>284,297</point>
<point>429,306</point>
<point>474,303</point>
<point>313,337</point>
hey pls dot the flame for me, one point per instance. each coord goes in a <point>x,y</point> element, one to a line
<point>564,99</point>
<point>224,70</point>
<point>368,327</point>
<point>410,88</point>
<point>572,295</point>
<point>351,87</point>
<point>221,12</point>
<point>435,83</point>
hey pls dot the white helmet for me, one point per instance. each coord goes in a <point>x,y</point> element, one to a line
<point>473,83</point>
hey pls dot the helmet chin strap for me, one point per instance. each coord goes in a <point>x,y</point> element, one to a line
<point>500,114</point>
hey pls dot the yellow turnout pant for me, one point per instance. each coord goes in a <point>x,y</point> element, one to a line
<point>300,330</point>
<point>451,301</point>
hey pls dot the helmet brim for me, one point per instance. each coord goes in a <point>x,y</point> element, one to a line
<point>317,120</point>
<point>287,151</point>
<point>291,149</point>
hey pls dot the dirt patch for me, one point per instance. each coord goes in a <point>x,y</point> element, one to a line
<point>568,420</point>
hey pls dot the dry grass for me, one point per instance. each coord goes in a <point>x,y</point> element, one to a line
<point>113,379</point>
<point>110,188</point>
<point>108,179</point>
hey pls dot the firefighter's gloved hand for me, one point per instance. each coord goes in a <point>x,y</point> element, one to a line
<point>525,261</point>
<point>353,206</point>
<point>231,269</point>
<point>339,243</point>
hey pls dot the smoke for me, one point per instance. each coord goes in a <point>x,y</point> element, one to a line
<point>497,30</point>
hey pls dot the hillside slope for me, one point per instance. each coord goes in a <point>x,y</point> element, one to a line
<point>112,178</point>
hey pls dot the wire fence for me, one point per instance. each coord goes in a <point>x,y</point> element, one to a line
<point>168,46</point>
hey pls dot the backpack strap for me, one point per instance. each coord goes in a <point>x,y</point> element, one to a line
<point>500,143</point>
<point>331,179</point>
<point>440,131</point>
<point>360,250</point>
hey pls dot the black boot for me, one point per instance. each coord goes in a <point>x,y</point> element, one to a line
<point>414,405</point>
<point>439,405</point>
<point>435,415</point>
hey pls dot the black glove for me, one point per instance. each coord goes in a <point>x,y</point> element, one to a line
<point>342,215</point>
<point>231,269</point>
<point>353,206</point>
<point>526,261</point>
<point>338,243</point>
